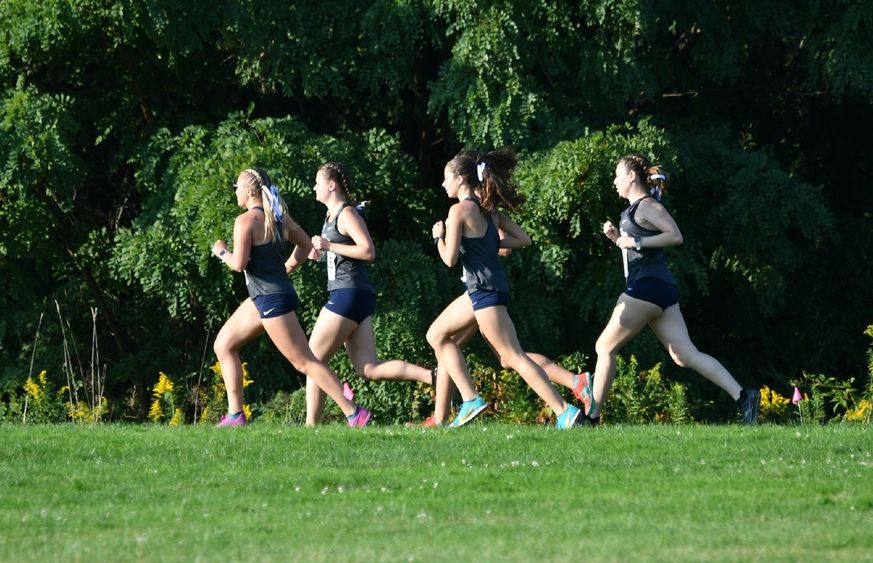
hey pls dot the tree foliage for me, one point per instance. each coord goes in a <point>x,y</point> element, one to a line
<point>123,124</point>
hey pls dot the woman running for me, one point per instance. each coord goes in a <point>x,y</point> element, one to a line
<point>347,317</point>
<point>470,232</point>
<point>260,238</point>
<point>652,297</point>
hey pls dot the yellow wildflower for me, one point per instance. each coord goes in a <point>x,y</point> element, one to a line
<point>245,375</point>
<point>861,412</point>
<point>248,412</point>
<point>75,413</point>
<point>96,414</point>
<point>155,412</point>
<point>770,397</point>
<point>177,418</point>
<point>204,416</point>
<point>164,385</point>
<point>33,389</point>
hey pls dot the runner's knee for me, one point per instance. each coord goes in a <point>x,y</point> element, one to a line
<point>435,337</point>
<point>367,371</point>
<point>221,346</point>
<point>605,346</point>
<point>305,365</point>
<point>683,357</point>
<point>510,361</point>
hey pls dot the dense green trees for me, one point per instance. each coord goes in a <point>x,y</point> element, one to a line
<point>122,124</point>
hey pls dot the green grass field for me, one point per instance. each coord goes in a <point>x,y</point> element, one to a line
<point>486,492</point>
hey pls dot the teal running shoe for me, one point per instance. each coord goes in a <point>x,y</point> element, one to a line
<point>468,411</point>
<point>567,418</point>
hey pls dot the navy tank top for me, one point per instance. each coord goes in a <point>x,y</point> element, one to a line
<point>481,261</point>
<point>646,262</point>
<point>344,272</point>
<point>265,272</point>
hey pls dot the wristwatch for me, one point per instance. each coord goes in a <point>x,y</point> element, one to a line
<point>637,241</point>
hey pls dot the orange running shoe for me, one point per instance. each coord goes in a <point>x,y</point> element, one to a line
<point>582,390</point>
<point>430,422</point>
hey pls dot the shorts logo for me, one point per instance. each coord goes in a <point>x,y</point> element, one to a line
<point>269,311</point>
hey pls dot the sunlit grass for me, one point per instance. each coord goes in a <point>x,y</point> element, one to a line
<point>486,492</point>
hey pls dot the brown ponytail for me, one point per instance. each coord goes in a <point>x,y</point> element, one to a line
<point>495,169</point>
<point>652,176</point>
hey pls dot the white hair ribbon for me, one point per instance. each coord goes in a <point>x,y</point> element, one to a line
<point>480,170</point>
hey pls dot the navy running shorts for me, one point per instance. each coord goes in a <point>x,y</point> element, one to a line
<point>484,298</point>
<point>655,291</point>
<point>351,303</point>
<point>276,304</point>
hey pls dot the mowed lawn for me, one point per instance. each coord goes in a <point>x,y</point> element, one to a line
<point>487,492</point>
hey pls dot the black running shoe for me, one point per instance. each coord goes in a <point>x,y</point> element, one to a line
<point>748,403</point>
<point>586,420</point>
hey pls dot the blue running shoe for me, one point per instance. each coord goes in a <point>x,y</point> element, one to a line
<point>567,418</point>
<point>468,411</point>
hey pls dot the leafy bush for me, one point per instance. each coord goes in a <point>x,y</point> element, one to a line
<point>835,400</point>
<point>774,407</point>
<point>829,398</point>
<point>42,402</point>
<point>510,398</point>
<point>290,408</point>
<point>643,396</point>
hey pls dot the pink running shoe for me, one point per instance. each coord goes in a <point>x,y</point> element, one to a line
<point>347,392</point>
<point>360,418</point>
<point>227,420</point>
